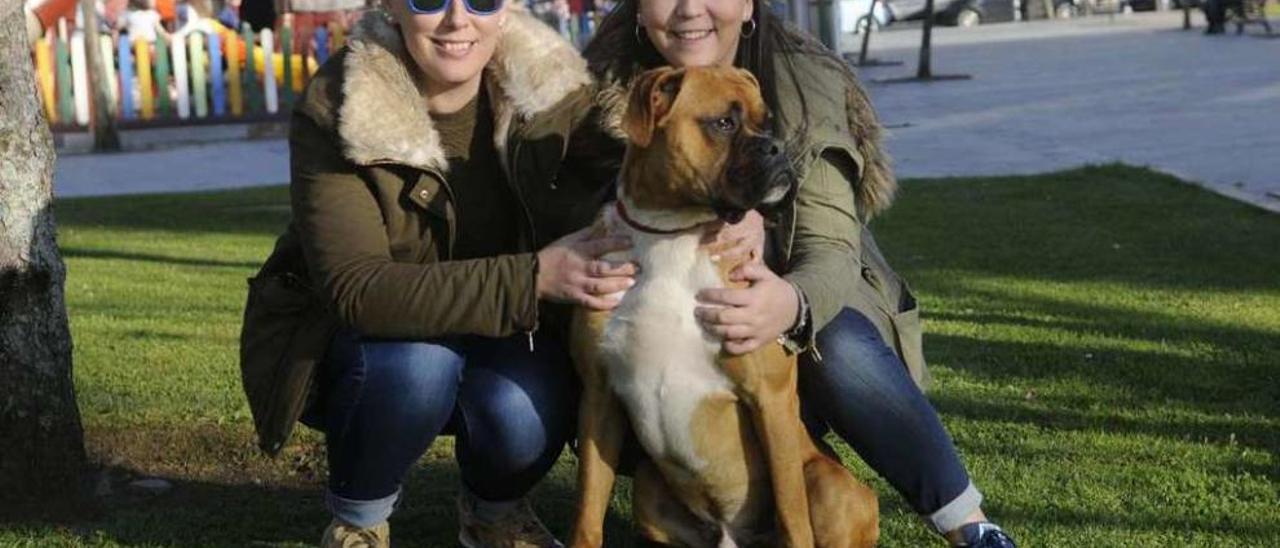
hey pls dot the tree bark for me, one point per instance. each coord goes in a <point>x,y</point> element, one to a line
<point>42,452</point>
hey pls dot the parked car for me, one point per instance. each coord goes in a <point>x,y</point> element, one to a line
<point>853,15</point>
<point>1066,9</point>
<point>1153,5</point>
<point>964,13</point>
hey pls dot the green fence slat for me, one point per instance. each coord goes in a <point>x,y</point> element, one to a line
<point>164,104</point>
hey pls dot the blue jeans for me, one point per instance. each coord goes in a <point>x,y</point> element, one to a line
<point>382,403</point>
<point>861,389</point>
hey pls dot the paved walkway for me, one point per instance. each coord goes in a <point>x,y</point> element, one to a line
<point>227,164</point>
<point>1054,95</point>
<point>1044,96</point>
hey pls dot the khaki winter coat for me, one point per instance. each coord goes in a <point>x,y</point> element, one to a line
<point>373,221</point>
<point>824,246</point>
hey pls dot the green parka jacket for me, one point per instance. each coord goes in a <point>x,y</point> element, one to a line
<point>373,221</point>
<point>821,242</point>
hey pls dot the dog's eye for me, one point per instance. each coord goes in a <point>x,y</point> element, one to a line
<point>726,124</point>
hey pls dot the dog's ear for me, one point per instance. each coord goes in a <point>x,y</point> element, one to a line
<point>746,74</point>
<point>652,94</point>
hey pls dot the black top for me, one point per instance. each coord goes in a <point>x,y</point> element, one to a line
<point>488,214</point>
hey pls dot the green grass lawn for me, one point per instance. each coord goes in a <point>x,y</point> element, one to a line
<point>1105,342</point>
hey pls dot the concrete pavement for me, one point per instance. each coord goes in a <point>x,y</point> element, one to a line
<point>1044,96</point>
<point>206,166</point>
<point>1050,95</point>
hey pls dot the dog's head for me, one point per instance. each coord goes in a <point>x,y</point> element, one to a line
<point>698,138</point>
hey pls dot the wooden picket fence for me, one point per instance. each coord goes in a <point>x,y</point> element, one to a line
<point>212,75</point>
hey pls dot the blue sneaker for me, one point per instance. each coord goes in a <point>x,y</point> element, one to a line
<point>986,535</point>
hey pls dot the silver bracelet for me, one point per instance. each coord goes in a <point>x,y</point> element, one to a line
<point>802,315</point>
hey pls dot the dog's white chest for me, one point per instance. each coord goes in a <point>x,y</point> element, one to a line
<point>660,361</point>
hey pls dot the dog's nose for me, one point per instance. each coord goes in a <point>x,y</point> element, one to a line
<point>765,146</point>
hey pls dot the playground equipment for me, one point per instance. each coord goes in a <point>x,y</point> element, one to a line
<point>212,73</point>
<point>43,15</point>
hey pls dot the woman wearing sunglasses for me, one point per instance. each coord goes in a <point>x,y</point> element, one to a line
<point>837,301</point>
<point>404,299</point>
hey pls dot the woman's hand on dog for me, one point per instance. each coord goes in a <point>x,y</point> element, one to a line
<point>736,242</point>
<point>572,270</point>
<point>749,318</point>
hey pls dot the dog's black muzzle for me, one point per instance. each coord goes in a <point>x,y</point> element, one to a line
<point>759,176</point>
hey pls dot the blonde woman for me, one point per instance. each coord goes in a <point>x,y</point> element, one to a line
<point>408,296</point>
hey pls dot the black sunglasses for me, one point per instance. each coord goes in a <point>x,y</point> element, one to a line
<point>476,7</point>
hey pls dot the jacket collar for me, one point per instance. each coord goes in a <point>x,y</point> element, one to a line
<point>383,117</point>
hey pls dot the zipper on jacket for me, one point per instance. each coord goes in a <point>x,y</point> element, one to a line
<point>514,169</point>
<point>524,204</point>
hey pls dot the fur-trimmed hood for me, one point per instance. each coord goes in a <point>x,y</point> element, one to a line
<point>839,114</point>
<point>383,117</point>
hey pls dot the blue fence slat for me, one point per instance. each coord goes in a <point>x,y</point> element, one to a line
<point>125,54</point>
<point>322,45</point>
<point>217,83</point>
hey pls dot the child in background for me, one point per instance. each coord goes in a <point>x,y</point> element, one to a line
<point>142,22</point>
<point>187,18</point>
<point>230,14</point>
<point>168,15</point>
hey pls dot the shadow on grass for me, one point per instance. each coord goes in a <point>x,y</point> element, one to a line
<point>80,253</point>
<point>1058,418</point>
<point>1116,224</point>
<point>1263,534</point>
<point>1147,381</point>
<point>1109,223</point>
<point>226,493</point>
<point>260,210</point>
<point>214,514</point>
<point>1229,378</point>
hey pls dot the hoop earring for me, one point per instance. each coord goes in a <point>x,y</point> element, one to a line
<point>638,39</point>
<point>752,31</point>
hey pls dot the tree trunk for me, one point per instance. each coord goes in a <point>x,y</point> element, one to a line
<point>106,137</point>
<point>42,451</point>
<point>925,69</point>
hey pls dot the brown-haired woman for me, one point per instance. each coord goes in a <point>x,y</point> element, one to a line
<point>837,299</point>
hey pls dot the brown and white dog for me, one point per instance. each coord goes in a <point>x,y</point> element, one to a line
<point>730,463</point>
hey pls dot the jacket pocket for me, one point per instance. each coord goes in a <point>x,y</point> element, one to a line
<point>286,330</point>
<point>909,332</point>
<point>892,295</point>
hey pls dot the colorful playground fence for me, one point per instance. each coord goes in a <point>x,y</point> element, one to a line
<point>214,74</point>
